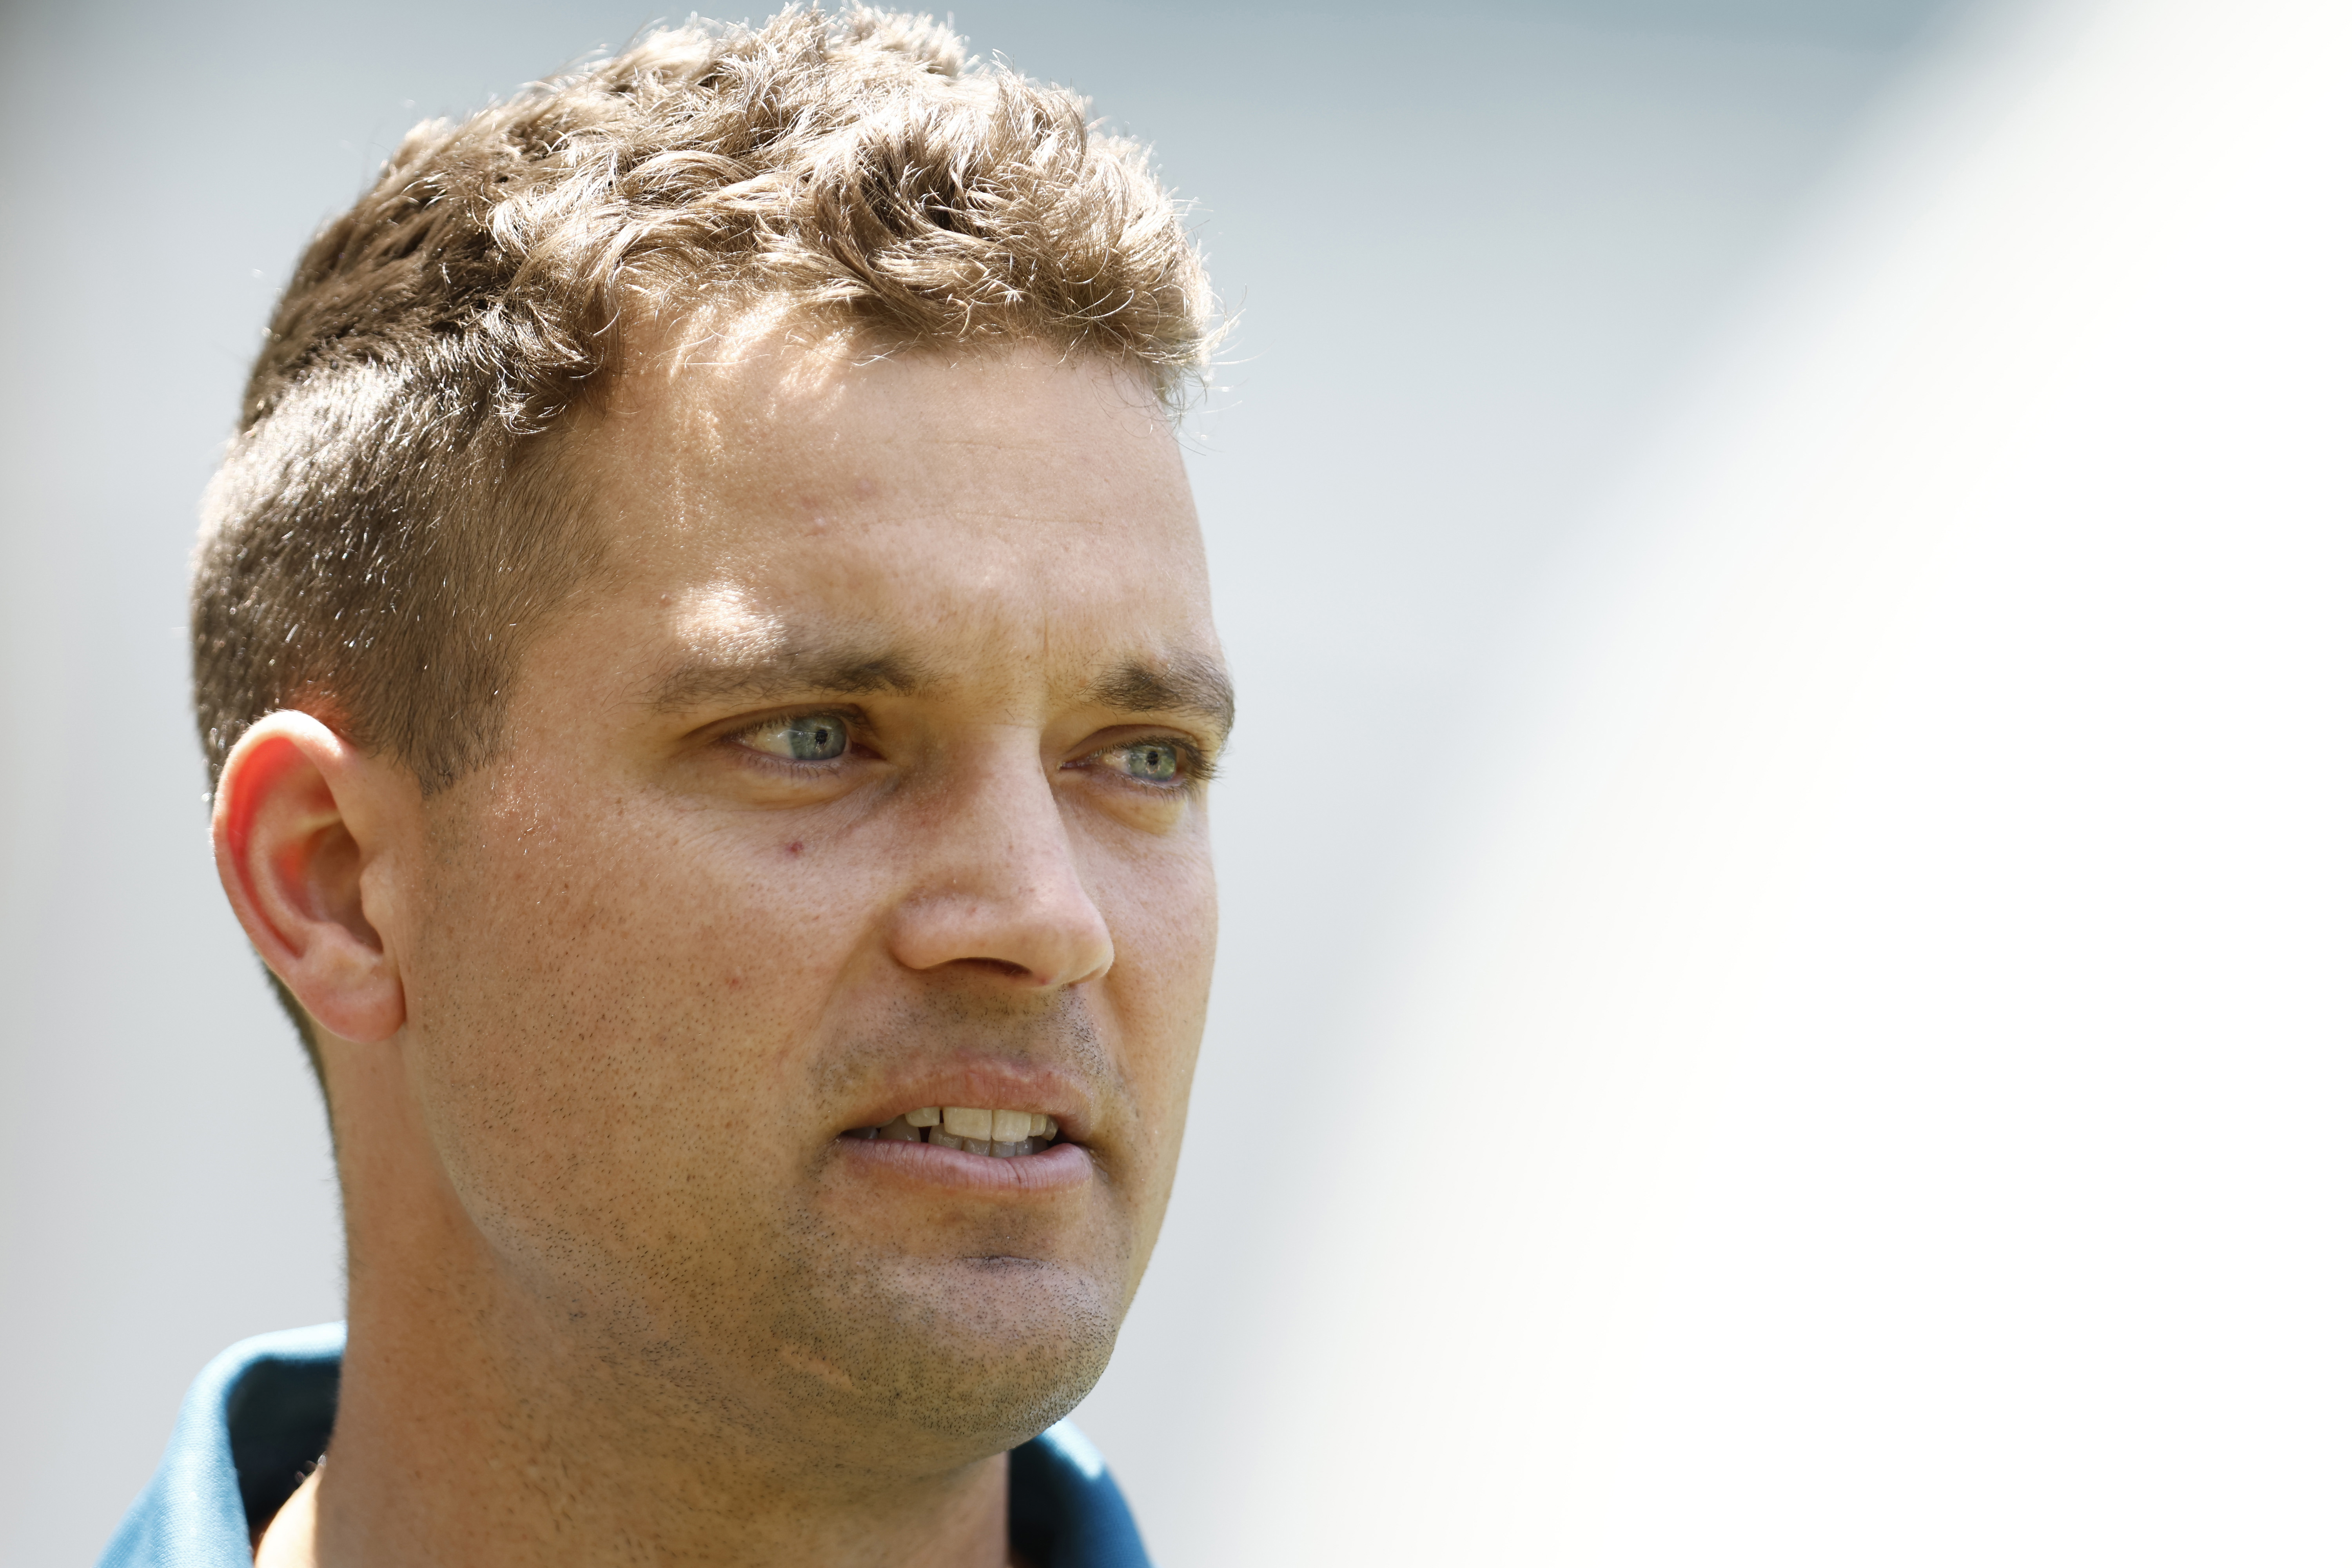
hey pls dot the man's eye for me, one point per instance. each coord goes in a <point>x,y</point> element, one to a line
<point>1153,761</point>
<point>805,738</point>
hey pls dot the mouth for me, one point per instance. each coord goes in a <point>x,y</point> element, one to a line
<point>999,1134</point>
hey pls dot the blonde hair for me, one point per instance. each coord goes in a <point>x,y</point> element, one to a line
<point>393,518</point>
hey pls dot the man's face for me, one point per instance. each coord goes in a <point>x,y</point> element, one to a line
<point>866,777</point>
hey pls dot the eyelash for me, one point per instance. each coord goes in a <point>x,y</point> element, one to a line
<point>1199,767</point>
<point>854,721</point>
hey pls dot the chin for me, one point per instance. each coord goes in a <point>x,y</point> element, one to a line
<point>984,1354</point>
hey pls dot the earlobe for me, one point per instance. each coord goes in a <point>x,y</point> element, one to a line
<point>296,825</point>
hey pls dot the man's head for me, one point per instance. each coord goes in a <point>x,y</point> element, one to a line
<point>707,650</point>
<point>397,514</point>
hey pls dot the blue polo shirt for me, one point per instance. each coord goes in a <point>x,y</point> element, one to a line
<point>260,1414</point>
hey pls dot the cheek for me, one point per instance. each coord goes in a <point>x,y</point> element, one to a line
<point>1164,932</point>
<point>609,1014</point>
<point>1161,909</point>
<point>1159,898</point>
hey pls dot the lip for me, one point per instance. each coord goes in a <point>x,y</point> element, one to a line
<point>999,1086</point>
<point>1060,1169</point>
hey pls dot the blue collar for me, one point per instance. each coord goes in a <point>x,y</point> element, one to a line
<point>261,1412</point>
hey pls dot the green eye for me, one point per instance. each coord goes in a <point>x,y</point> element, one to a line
<point>807,738</point>
<point>1153,761</point>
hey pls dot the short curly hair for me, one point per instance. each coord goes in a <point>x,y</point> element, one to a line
<point>394,518</point>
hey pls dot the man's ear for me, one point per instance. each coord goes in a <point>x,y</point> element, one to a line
<point>298,817</point>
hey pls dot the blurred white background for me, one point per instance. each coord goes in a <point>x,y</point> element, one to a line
<point>1782,991</point>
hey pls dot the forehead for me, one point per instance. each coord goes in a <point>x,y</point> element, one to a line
<point>1009,516</point>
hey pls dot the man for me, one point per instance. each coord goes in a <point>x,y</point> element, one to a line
<point>705,648</point>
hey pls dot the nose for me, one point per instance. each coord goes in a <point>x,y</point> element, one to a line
<point>998,887</point>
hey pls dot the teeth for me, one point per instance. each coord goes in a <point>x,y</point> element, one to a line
<point>963,1122</point>
<point>1004,1134</point>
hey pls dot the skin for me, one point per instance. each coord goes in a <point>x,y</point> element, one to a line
<point>595,1018</point>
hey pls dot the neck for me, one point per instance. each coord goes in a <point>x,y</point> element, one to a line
<point>480,1423</point>
<point>453,1451</point>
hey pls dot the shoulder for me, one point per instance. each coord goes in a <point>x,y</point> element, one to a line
<point>256,1415</point>
<point>1067,1511</point>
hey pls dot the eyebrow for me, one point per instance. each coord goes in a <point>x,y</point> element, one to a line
<point>1187,684</point>
<point>774,665</point>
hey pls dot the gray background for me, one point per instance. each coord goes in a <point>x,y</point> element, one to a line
<point>1475,254</point>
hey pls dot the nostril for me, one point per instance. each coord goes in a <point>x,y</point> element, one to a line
<point>996,966</point>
